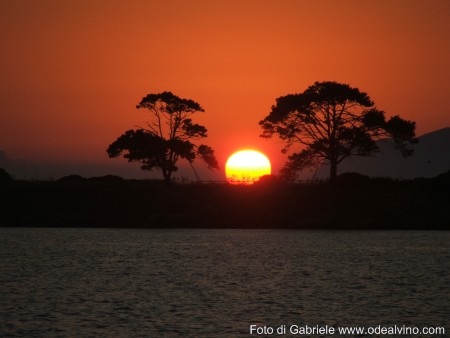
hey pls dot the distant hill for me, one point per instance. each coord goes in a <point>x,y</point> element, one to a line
<point>44,170</point>
<point>431,157</point>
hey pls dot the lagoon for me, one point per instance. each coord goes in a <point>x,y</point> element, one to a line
<point>70,282</point>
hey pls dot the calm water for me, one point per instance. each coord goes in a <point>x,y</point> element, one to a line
<point>215,283</point>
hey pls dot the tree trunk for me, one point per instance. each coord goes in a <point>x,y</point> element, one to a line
<point>168,178</point>
<point>333,169</point>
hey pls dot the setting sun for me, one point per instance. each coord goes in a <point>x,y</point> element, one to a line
<point>246,167</point>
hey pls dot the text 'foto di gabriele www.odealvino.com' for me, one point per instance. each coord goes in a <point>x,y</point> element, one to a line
<point>308,330</point>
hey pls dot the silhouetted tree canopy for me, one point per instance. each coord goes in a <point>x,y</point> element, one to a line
<point>167,137</point>
<point>332,121</point>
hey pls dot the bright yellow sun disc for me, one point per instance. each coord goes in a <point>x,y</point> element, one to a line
<point>246,167</point>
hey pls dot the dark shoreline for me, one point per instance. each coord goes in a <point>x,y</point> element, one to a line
<point>354,202</point>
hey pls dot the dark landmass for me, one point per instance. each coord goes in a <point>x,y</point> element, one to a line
<point>430,158</point>
<point>353,202</point>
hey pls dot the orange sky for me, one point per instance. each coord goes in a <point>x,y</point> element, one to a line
<point>72,71</point>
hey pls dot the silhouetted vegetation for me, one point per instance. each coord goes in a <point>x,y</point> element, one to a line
<point>71,178</point>
<point>167,138</point>
<point>332,121</point>
<point>107,178</point>
<point>352,201</point>
<point>4,175</point>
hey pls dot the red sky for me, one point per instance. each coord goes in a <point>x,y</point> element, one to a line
<point>73,71</point>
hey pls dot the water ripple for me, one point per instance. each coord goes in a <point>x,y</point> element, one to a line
<point>215,283</point>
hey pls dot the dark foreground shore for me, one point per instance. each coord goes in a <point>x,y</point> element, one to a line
<point>353,202</point>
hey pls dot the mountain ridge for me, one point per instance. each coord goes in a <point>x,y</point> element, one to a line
<point>431,157</point>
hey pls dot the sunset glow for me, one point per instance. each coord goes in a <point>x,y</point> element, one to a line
<point>246,167</point>
<point>82,66</point>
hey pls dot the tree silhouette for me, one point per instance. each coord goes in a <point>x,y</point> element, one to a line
<point>167,138</point>
<point>332,121</point>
